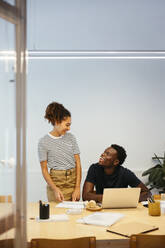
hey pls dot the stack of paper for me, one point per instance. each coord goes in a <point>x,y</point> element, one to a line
<point>101,219</point>
<point>56,217</point>
<point>70,204</point>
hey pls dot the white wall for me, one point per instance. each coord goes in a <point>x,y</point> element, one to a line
<point>111,101</point>
<point>96,25</point>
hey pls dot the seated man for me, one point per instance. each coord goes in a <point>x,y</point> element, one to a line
<point>109,173</point>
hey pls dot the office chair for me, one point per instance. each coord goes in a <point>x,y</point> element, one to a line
<point>147,241</point>
<point>7,243</point>
<point>85,242</point>
<point>5,198</point>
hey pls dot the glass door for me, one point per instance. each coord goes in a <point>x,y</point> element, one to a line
<point>7,129</point>
<point>13,123</point>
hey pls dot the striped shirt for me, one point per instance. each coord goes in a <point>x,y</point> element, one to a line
<point>58,151</point>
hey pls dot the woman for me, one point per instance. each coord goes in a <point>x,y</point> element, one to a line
<point>59,151</point>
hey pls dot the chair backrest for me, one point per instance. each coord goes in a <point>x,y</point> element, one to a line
<point>7,243</point>
<point>147,241</point>
<point>85,242</point>
<point>5,198</point>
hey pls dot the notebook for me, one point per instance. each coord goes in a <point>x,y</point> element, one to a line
<point>121,198</point>
<point>127,229</point>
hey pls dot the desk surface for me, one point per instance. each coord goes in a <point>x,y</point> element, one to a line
<point>71,229</point>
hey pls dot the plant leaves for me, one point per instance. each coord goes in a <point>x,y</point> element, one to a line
<point>158,159</point>
<point>147,171</point>
<point>156,174</point>
<point>150,170</point>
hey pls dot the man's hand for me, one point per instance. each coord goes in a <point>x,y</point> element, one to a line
<point>58,195</point>
<point>76,194</point>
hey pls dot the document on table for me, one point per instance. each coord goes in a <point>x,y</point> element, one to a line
<point>54,218</point>
<point>101,219</point>
<point>70,204</point>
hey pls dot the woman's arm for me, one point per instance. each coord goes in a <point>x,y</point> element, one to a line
<point>76,193</point>
<point>58,194</point>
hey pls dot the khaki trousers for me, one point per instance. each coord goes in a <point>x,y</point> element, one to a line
<point>65,180</point>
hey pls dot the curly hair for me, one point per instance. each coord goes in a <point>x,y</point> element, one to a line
<point>56,112</point>
<point>121,153</point>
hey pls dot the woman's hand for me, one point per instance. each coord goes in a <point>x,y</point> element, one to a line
<point>58,195</point>
<point>76,194</point>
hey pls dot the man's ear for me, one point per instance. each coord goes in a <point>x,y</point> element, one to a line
<point>116,162</point>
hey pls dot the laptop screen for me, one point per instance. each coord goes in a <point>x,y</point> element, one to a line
<point>121,197</point>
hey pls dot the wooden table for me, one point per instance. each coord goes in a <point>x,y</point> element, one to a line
<point>71,229</point>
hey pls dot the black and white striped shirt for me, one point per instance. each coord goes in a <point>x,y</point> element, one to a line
<point>58,151</point>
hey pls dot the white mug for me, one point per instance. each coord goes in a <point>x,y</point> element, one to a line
<point>163,196</point>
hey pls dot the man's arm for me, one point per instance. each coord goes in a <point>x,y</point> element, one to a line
<point>145,193</point>
<point>134,181</point>
<point>89,194</point>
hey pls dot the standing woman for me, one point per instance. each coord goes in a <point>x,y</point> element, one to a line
<point>59,151</point>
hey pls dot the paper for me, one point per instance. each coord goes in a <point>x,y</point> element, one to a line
<point>127,229</point>
<point>70,204</point>
<point>144,202</point>
<point>101,219</point>
<point>56,217</point>
<point>74,211</point>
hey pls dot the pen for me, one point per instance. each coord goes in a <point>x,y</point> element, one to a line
<point>150,199</point>
<point>125,235</point>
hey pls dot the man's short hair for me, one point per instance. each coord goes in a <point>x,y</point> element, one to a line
<point>121,153</point>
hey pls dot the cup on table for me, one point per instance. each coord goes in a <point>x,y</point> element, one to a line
<point>154,208</point>
<point>43,211</point>
<point>163,196</point>
<point>162,203</point>
<point>162,209</point>
<point>157,197</point>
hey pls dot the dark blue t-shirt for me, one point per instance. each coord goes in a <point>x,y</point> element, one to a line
<point>121,178</point>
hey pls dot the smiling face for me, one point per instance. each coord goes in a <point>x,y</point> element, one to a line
<point>109,158</point>
<point>63,127</point>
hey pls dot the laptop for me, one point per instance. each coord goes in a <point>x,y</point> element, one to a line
<point>121,197</point>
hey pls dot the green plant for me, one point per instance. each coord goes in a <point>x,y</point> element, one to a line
<point>156,174</point>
